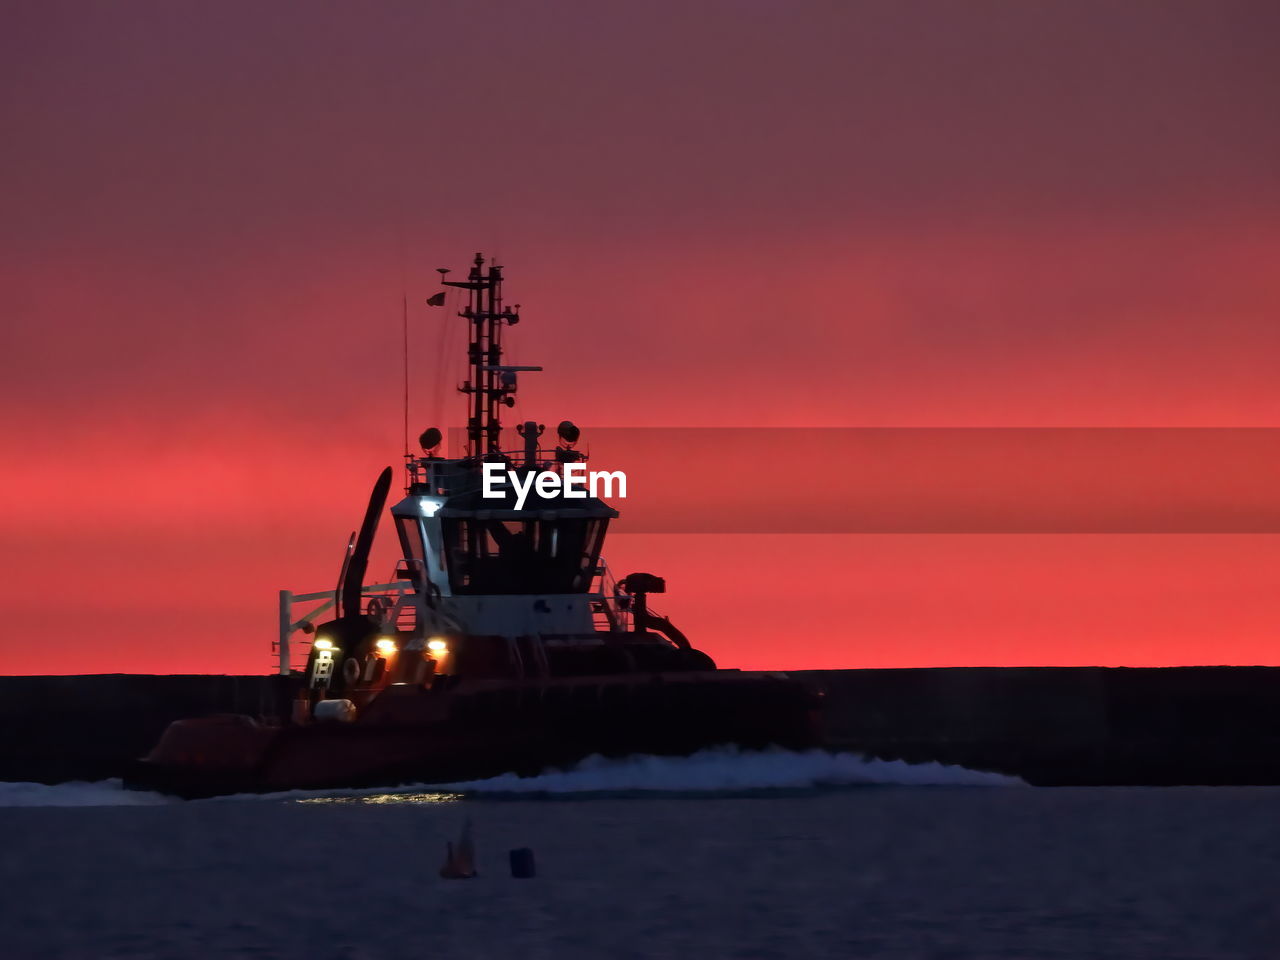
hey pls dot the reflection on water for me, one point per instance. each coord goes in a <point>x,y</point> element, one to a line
<point>436,797</point>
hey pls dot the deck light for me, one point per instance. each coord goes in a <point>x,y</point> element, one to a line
<point>386,646</point>
<point>324,643</point>
<point>437,645</point>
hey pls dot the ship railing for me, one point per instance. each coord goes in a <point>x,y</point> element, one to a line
<point>441,477</point>
<point>444,477</point>
<point>394,601</point>
<point>609,611</point>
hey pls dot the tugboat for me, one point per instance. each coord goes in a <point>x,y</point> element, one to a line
<point>502,643</point>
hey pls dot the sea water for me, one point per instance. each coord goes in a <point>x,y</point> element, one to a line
<point>720,855</point>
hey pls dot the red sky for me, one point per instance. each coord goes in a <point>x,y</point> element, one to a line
<point>714,214</point>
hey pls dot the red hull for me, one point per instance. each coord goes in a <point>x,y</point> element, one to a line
<point>482,729</point>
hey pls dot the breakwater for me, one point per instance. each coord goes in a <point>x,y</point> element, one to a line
<point>1048,725</point>
<point>1066,726</point>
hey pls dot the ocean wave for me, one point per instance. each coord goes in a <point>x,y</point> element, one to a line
<point>101,793</point>
<point>732,771</point>
<point>716,772</point>
<point>710,772</point>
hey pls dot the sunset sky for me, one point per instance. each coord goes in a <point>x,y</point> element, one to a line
<point>714,214</point>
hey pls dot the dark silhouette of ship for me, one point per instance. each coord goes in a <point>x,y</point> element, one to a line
<point>502,644</point>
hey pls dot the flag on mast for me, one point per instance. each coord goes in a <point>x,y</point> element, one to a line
<point>437,300</point>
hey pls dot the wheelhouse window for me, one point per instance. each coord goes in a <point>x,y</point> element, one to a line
<point>522,556</point>
<point>410,531</point>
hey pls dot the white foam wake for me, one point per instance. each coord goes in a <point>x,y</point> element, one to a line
<point>718,771</point>
<point>711,772</point>
<point>732,771</point>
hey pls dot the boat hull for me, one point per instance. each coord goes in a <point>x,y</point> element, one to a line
<point>482,729</point>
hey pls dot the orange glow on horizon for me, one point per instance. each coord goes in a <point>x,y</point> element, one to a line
<point>713,215</point>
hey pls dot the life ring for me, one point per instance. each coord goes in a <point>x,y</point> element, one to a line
<point>351,671</point>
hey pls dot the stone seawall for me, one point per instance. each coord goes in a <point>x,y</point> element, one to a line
<point>1049,725</point>
<point>90,727</point>
<point>1066,725</point>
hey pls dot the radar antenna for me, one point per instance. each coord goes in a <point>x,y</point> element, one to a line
<point>492,384</point>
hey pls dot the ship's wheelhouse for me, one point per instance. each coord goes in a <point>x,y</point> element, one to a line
<point>463,547</point>
<point>521,555</point>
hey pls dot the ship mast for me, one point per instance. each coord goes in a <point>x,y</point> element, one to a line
<point>492,384</point>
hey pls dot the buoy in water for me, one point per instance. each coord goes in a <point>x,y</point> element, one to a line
<point>460,861</point>
<point>522,865</point>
